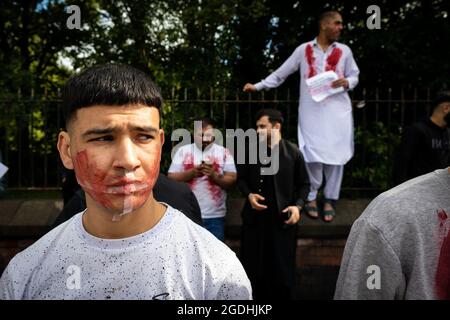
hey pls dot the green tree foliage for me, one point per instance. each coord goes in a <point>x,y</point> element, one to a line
<point>210,48</point>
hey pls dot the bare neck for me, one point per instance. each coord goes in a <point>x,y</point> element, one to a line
<point>438,120</point>
<point>323,42</point>
<point>276,139</point>
<point>98,222</point>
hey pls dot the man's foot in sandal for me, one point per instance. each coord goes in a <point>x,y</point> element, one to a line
<point>328,212</point>
<point>311,209</point>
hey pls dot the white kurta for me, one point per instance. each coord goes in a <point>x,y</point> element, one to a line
<point>325,129</point>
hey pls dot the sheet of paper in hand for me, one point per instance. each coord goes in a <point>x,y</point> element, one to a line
<point>3,169</point>
<point>319,86</point>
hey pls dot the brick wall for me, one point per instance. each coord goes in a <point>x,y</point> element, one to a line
<point>318,262</point>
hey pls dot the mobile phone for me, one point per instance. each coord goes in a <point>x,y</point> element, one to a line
<point>286,215</point>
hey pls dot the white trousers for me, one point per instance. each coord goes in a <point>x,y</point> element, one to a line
<point>333,179</point>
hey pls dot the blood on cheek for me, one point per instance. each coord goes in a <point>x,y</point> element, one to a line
<point>91,178</point>
<point>96,182</point>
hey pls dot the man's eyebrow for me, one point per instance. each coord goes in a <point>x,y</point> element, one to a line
<point>109,130</point>
<point>99,131</point>
<point>148,129</point>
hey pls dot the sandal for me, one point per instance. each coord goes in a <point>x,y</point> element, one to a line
<point>329,213</point>
<point>309,209</point>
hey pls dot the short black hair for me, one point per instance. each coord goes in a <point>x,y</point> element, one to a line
<point>326,15</point>
<point>441,97</point>
<point>206,122</point>
<point>274,115</point>
<point>111,85</point>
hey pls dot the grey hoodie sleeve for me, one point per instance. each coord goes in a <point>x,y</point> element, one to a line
<point>370,268</point>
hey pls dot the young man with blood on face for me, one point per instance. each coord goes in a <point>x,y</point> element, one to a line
<point>125,245</point>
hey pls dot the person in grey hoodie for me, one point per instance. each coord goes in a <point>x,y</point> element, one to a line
<point>399,248</point>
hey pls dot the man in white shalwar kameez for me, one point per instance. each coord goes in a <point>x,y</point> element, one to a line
<point>325,128</point>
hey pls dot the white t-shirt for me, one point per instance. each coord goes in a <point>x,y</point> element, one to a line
<point>176,259</point>
<point>211,197</point>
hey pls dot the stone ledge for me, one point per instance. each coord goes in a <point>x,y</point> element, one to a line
<point>27,218</point>
<point>347,211</point>
<point>33,218</point>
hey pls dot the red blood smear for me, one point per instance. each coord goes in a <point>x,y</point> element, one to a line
<point>442,216</point>
<point>311,60</point>
<point>443,271</point>
<point>91,179</point>
<point>333,59</point>
<point>214,189</point>
<point>95,181</point>
<point>188,164</point>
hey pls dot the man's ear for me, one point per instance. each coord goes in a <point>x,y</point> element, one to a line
<point>447,108</point>
<point>161,136</point>
<point>64,149</point>
<point>277,126</point>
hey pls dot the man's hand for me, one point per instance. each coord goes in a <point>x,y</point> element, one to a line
<point>249,88</point>
<point>340,83</point>
<point>254,199</point>
<point>208,170</point>
<point>196,171</point>
<point>295,214</point>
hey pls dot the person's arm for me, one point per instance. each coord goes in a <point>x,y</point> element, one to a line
<point>301,189</point>
<point>351,72</point>
<point>370,268</point>
<point>229,176</point>
<point>277,77</point>
<point>185,176</point>
<point>253,198</point>
<point>178,172</point>
<point>225,181</point>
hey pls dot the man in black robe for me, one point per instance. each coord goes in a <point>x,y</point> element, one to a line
<point>272,210</point>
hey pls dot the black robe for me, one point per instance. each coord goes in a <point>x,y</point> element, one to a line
<point>268,246</point>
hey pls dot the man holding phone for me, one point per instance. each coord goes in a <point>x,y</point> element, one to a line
<point>210,170</point>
